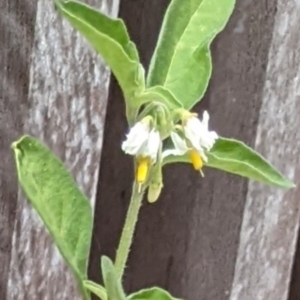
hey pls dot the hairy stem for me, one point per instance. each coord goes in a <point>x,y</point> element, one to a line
<point>128,230</point>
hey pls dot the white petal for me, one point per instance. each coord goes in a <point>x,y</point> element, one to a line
<point>205,119</point>
<point>209,140</point>
<point>179,143</point>
<point>180,146</point>
<point>136,138</point>
<point>194,125</point>
<point>169,152</point>
<point>202,155</point>
<point>151,148</point>
<point>193,130</point>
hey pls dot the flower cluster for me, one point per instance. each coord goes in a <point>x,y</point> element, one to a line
<point>191,137</point>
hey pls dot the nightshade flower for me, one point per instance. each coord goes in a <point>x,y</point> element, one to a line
<point>143,141</point>
<point>195,141</point>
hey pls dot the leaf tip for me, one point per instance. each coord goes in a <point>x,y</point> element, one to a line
<point>14,145</point>
<point>290,184</point>
<point>106,263</point>
<point>285,183</point>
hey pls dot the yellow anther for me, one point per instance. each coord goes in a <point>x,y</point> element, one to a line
<point>142,169</point>
<point>196,160</point>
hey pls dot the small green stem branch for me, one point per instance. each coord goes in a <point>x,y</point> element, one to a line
<point>128,230</point>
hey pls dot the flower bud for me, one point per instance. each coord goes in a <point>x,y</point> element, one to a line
<point>154,191</point>
<point>156,184</point>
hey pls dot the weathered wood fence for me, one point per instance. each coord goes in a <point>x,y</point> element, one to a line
<point>214,239</point>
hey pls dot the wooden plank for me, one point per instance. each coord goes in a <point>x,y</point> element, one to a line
<point>294,292</point>
<point>115,177</point>
<point>188,241</point>
<point>240,57</point>
<point>16,35</point>
<point>66,108</point>
<point>271,217</point>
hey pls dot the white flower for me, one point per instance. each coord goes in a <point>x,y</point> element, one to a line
<point>198,134</point>
<point>142,141</point>
<point>197,138</point>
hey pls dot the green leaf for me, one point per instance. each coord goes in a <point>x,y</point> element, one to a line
<point>110,39</point>
<point>55,196</point>
<point>153,293</point>
<point>235,157</point>
<point>159,94</point>
<point>96,289</point>
<point>182,61</point>
<point>112,283</point>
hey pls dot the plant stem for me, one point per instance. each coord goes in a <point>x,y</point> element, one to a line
<point>128,230</point>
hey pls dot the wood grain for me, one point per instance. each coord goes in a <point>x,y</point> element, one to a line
<point>219,238</point>
<point>271,217</point>
<point>189,241</point>
<point>68,88</point>
<point>17,19</point>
